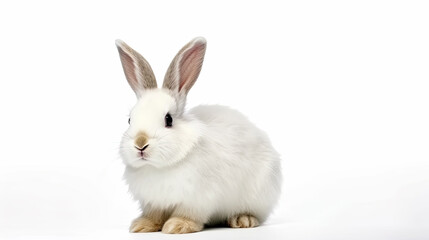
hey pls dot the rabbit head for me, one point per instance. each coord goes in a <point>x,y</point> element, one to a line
<point>160,134</point>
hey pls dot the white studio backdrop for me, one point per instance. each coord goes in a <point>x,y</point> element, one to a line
<point>340,86</point>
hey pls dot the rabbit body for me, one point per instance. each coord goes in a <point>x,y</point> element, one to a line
<point>232,169</point>
<point>208,165</point>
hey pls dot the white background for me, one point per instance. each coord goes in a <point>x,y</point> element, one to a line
<point>340,86</point>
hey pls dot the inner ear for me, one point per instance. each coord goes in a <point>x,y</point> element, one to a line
<point>185,67</point>
<point>129,67</point>
<point>137,70</point>
<point>190,66</point>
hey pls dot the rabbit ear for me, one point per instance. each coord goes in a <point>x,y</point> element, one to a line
<point>185,67</point>
<point>137,70</point>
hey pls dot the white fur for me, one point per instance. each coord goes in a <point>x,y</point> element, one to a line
<point>212,164</point>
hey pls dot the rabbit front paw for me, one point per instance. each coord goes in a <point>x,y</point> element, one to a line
<point>143,224</point>
<point>181,225</point>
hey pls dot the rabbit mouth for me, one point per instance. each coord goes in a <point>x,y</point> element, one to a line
<point>142,156</point>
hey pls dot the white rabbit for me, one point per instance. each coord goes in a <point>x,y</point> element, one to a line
<point>206,166</point>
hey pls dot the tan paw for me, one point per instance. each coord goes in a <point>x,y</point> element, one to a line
<point>143,224</point>
<point>181,225</point>
<point>243,221</point>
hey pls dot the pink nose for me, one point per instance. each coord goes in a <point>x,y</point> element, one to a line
<point>141,140</point>
<point>142,149</point>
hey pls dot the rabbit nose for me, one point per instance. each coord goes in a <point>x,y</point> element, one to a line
<point>140,142</point>
<point>142,149</point>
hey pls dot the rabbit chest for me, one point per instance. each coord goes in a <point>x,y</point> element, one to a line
<point>163,187</point>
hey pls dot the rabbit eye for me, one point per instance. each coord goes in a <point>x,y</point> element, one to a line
<point>129,120</point>
<point>168,120</point>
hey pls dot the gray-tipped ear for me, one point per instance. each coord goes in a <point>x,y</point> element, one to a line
<point>185,67</point>
<point>137,70</point>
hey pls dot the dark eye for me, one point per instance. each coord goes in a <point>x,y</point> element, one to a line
<point>168,120</point>
<point>129,120</point>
